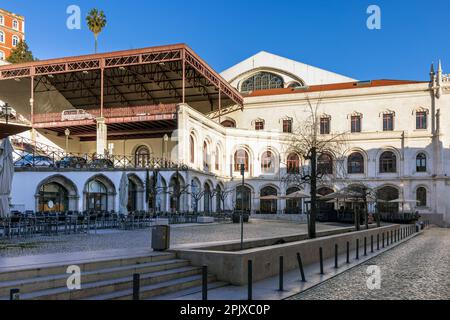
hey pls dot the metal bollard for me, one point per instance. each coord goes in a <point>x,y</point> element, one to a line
<point>357,249</point>
<point>336,262</point>
<point>205,283</point>
<point>300,265</point>
<point>382,236</point>
<point>250,281</point>
<point>281,279</point>
<point>365,246</point>
<point>378,241</point>
<point>14,294</point>
<point>136,286</point>
<point>321,260</point>
<point>371,243</point>
<point>348,252</point>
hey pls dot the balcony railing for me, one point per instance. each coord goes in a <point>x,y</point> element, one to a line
<point>133,111</point>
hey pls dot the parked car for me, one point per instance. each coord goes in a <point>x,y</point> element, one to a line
<point>101,163</point>
<point>34,161</point>
<point>71,162</point>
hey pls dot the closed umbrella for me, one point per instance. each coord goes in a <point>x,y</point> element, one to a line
<point>123,194</point>
<point>6,176</point>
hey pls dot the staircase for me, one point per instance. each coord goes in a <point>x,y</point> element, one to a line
<point>161,275</point>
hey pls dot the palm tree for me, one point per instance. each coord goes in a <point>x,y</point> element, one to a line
<point>96,21</point>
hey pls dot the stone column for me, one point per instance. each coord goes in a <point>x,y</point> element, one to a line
<point>102,136</point>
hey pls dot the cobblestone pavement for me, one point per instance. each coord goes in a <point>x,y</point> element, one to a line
<point>418,269</point>
<point>121,239</point>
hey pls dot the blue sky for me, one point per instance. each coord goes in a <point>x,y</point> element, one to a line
<point>330,34</point>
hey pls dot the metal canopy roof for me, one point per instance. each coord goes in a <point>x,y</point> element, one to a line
<point>150,76</point>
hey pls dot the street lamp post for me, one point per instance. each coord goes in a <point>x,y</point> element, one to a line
<point>67,134</point>
<point>242,167</point>
<point>6,110</point>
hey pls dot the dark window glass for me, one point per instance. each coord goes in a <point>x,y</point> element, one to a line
<point>356,124</point>
<point>259,125</point>
<point>421,163</point>
<point>325,164</point>
<point>324,125</point>
<point>421,120</point>
<point>262,81</point>
<point>355,163</point>
<point>388,162</point>
<point>388,122</point>
<point>287,126</point>
<point>421,197</point>
<point>293,163</point>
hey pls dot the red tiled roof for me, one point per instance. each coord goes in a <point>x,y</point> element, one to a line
<point>331,87</point>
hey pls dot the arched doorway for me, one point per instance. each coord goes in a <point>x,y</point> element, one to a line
<point>53,197</point>
<point>243,199</point>
<point>132,196</point>
<point>268,206</point>
<point>96,196</point>
<point>218,198</point>
<point>177,193</point>
<point>293,206</point>
<point>385,195</point>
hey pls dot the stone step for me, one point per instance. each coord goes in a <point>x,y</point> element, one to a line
<point>55,281</point>
<point>189,291</point>
<point>32,271</point>
<point>110,286</point>
<point>157,289</point>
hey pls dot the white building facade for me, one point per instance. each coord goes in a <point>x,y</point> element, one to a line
<point>397,142</point>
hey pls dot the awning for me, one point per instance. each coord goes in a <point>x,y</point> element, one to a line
<point>11,129</point>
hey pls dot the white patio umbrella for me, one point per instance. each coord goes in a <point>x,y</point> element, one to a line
<point>6,176</point>
<point>123,194</point>
<point>298,195</point>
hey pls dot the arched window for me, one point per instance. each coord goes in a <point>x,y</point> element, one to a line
<point>293,205</point>
<point>2,37</point>
<point>421,197</point>
<point>293,163</point>
<point>53,197</point>
<point>229,124</point>
<point>268,162</point>
<point>2,20</point>
<point>15,25</point>
<point>262,81</point>
<point>355,163</point>
<point>294,84</point>
<point>241,157</point>
<point>192,149</point>
<point>388,162</point>
<point>132,196</point>
<point>207,198</point>
<point>205,156</point>
<point>96,196</point>
<point>243,198</point>
<point>421,162</point>
<point>268,206</point>
<point>325,164</point>
<point>387,194</point>
<point>15,41</point>
<point>142,157</point>
<point>217,159</point>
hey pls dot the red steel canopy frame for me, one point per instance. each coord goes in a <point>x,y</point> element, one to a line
<point>109,84</point>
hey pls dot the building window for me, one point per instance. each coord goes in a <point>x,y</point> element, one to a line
<point>421,120</point>
<point>388,162</point>
<point>355,124</point>
<point>421,197</point>
<point>218,156</point>
<point>15,41</point>
<point>356,163</point>
<point>388,122</point>
<point>2,55</point>
<point>96,196</point>
<point>287,126</point>
<point>228,124</point>
<point>268,206</point>
<point>243,198</point>
<point>324,125</point>
<point>53,197</point>
<point>2,37</point>
<point>15,25</point>
<point>421,162</point>
<point>205,156</point>
<point>262,81</point>
<point>267,162</point>
<point>293,163</point>
<point>192,149</point>
<point>325,164</point>
<point>142,157</point>
<point>2,20</point>
<point>241,157</point>
<point>259,125</point>
<point>207,198</point>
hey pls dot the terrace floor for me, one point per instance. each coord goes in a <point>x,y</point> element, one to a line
<point>141,239</point>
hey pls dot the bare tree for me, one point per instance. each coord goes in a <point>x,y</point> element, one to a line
<point>223,195</point>
<point>314,146</point>
<point>364,194</point>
